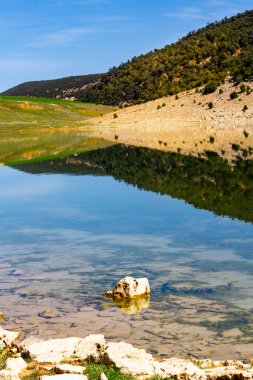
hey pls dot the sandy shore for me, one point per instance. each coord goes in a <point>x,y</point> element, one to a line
<point>185,123</point>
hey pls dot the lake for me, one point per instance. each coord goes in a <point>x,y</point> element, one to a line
<point>72,227</point>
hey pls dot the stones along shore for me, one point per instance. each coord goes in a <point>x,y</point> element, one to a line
<point>77,358</point>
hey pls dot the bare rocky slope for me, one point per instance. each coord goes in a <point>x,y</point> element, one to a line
<point>189,123</point>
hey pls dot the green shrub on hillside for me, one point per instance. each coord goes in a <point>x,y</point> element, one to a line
<point>210,87</point>
<point>233,95</point>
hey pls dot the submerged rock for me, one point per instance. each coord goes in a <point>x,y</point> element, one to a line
<point>129,287</point>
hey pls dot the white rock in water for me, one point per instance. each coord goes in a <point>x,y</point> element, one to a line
<point>7,337</point>
<point>53,350</point>
<point>129,360</point>
<point>91,347</point>
<point>130,287</point>
<point>15,365</point>
<point>64,377</point>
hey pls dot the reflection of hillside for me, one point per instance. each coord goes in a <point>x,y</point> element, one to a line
<point>208,184</point>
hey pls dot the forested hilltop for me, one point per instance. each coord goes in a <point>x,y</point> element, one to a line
<point>55,88</point>
<point>205,56</point>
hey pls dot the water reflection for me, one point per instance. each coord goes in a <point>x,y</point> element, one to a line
<point>209,183</point>
<point>133,306</point>
<point>65,239</point>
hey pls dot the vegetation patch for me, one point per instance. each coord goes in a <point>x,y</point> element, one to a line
<point>233,95</point>
<point>93,371</point>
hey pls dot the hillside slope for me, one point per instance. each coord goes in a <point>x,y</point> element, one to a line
<point>55,88</point>
<point>204,56</point>
<point>190,123</point>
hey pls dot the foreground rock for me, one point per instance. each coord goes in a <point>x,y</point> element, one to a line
<point>229,369</point>
<point>7,337</point>
<point>53,350</point>
<point>130,287</point>
<point>13,367</point>
<point>128,359</point>
<point>56,350</point>
<point>64,377</point>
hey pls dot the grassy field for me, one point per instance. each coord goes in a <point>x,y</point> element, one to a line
<point>39,128</point>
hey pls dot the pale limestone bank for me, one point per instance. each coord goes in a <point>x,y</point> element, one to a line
<point>190,123</point>
<point>48,356</point>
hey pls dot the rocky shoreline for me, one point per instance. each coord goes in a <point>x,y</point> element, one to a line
<point>72,358</point>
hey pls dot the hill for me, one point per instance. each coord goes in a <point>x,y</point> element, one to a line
<point>203,57</point>
<point>190,123</point>
<point>73,86</point>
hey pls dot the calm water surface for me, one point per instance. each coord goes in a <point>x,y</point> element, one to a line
<point>66,239</point>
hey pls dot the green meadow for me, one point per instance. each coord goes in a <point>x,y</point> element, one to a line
<point>41,128</point>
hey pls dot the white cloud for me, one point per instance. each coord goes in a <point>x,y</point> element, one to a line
<point>63,37</point>
<point>187,13</point>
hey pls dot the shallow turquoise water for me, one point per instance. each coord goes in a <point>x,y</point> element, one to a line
<point>66,239</point>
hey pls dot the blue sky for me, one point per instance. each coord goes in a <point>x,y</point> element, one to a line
<point>46,39</point>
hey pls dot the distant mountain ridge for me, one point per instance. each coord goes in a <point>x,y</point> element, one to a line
<point>202,58</point>
<point>68,87</point>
